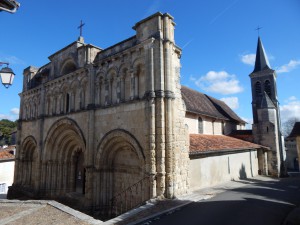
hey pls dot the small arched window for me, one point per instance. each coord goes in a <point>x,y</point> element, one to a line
<point>223,127</point>
<point>200,125</point>
<point>268,87</point>
<point>258,88</point>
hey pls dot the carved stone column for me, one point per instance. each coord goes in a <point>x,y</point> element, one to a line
<point>136,84</point>
<point>89,193</point>
<point>122,78</point>
<point>132,85</point>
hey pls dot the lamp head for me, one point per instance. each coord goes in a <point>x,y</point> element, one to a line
<point>7,76</point>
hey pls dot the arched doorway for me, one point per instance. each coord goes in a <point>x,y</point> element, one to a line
<point>28,163</point>
<point>79,173</point>
<point>123,183</point>
<point>63,160</point>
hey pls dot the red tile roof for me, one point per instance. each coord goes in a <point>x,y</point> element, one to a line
<point>202,143</point>
<point>245,135</point>
<point>6,153</point>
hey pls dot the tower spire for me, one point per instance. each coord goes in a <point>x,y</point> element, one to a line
<point>261,60</point>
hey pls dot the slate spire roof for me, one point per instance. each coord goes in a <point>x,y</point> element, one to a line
<point>261,60</point>
<point>296,130</point>
<point>266,102</point>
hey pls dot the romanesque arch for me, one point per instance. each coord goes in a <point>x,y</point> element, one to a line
<point>125,82</point>
<point>29,156</point>
<point>122,178</point>
<point>139,78</point>
<point>63,159</point>
<point>83,92</point>
<point>99,88</point>
<point>68,66</point>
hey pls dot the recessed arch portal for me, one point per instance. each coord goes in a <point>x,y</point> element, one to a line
<point>121,162</point>
<point>64,158</point>
<point>29,161</point>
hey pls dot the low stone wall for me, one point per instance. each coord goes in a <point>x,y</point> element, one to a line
<point>211,170</point>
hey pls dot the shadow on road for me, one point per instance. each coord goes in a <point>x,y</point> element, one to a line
<point>2,196</point>
<point>259,203</point>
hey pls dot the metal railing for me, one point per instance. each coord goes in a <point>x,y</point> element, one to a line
<point>130,198</point>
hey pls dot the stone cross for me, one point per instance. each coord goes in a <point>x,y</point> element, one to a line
<point>80,27</point>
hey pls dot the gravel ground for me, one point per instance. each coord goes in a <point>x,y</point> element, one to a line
<point>20,213</point>
<point>48,215</point>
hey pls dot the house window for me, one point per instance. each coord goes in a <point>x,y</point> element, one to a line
<point>200,125</point>
<point>223,127</point>
<point>2,188</point>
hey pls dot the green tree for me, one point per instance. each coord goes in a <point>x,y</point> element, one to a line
<point>6,128</point>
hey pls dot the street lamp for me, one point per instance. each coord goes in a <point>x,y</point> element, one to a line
<point>10,6</point>
<point>6,74</point>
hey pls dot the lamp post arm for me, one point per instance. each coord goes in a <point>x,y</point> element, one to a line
<point>7,10</point>
<point>3,63</point>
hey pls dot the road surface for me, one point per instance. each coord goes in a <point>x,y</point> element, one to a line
<point>259,203</point>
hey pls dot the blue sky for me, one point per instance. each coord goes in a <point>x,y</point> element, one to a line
<point>218,39</point>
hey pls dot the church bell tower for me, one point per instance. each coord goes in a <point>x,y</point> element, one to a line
<point>265,107</point>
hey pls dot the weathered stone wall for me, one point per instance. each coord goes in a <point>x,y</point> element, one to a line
<point>266,134</point>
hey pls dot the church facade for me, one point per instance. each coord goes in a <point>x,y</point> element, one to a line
<point>109,129</point>
<point>96,122</point>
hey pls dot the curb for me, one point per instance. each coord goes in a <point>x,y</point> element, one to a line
<point>153,216</point>
<point>130,213</point>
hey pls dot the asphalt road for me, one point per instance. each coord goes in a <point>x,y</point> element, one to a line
<point>259,203</point>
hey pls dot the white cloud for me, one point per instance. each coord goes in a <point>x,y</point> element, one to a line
<point>291,109</point>
<point>248,59</point>
<point>3,116</point>
<point>219,82</point>
<point>232,102</point>
<point>293,64</point>
<point>13,60</point>
<point>249,122</point>
<point>13,114</point>
<point>15,111</point>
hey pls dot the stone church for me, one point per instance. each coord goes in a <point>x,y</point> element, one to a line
<point>109,129</point>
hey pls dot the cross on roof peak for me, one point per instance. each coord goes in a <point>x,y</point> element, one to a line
<point>80,27</point>
<point>258,28</point>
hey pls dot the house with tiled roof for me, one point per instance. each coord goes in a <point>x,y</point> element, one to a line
<point>292,143</point>
<point>207,115</point>
<point>7,167</point>
<point>218,148</point>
